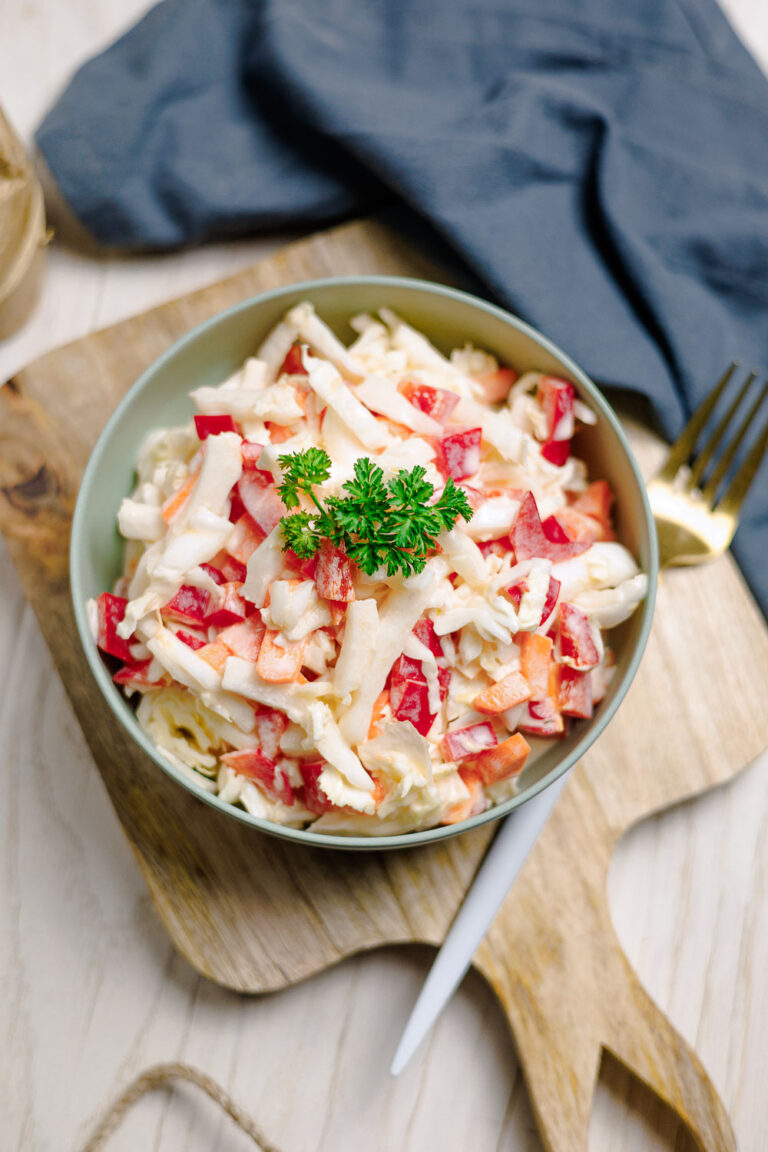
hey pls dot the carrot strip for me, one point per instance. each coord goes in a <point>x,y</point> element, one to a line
<point>474,804</point>
<point>279,664</point>
<point>506,759</point>
<point>506,693</point>
<point>378,711</point>
<point>174,503</point>
<point>215,654</point>
<point>535,658</point>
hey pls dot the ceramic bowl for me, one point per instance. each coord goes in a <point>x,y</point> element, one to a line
<point>211,352</point>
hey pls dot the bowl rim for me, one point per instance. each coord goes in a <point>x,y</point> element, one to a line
<point>117,703</point>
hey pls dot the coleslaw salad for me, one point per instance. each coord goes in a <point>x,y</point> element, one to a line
<point>311,693</point>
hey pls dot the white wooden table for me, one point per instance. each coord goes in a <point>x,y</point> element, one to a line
<point>91,990</point>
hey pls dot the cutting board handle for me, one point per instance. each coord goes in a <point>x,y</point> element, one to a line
<point>555,962</point>
<point>654,1051</point>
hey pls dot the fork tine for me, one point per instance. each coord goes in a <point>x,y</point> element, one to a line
<point>710,489</point>
<point>686,441</point>
<point>739,486</point>
<point>703,458</point>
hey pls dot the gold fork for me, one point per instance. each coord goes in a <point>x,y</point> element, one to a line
<point>694,524</point>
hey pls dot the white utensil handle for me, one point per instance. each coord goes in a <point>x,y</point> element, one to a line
<point>495,877</point>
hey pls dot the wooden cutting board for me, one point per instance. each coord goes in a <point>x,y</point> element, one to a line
<point>256,914</point>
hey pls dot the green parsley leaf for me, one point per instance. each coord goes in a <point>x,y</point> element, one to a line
<point>300,471</point>
<point>300,534</point>
<point>453,503</point>
<point>378,523</point>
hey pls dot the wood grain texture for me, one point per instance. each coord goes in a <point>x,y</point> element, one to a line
<point>254,914</point>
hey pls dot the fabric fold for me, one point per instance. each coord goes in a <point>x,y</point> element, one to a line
<point>602,169</point>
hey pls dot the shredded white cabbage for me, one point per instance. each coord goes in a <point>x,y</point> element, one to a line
<point>340,686</point>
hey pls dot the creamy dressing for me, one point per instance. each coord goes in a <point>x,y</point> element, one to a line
<point>356,747</point>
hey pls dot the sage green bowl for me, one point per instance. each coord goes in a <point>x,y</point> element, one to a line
<point>211,352</point>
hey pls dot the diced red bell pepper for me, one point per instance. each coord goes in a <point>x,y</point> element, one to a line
<point>111,610</point>
<point>405,668</point>
<point>438,403</point>
<point>529,539</point>
<point>469,741</point>
<point>424,631</point>
<point>305,568</point>
<point>251,454</point>
<point>270,726</point>
<point>293,364</point>
<point>230,608</point>
<point>270,778</point>
<point>556,451</point>
<point>553,591</point>
<point>244,539</point>
<point>542,718</point>
<point>215,574</point>
<point>334,573</point>
<point>578,646</point>
<point>236,506</point>
<point>409,700</point>
<point>554,531</point>
<point>409,694</point>
<point>556,398</point>
<point>244,639</point>
<point>338,611</point>
<point>596,501</point>
<point>194,642</point>
<point>233,570</point>
<point>312,795</point>
<point>262,501</point>
<point>574,692</point>
<point>444,680</point>
<point>206,426</point>
<point>580,527</point>
<point>498,547</point>
<point>505,760</point>
<point>134,675</point>
<point>458,455</point>
<point>190,605</point>
<point>517,590</point>
<point>496,385</point>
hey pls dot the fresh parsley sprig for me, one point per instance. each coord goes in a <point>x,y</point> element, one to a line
<point>378,522</point>
<point>300,471</point>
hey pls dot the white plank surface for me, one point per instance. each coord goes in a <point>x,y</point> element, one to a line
<point>90,989</point>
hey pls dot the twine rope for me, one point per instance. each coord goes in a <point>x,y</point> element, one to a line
<point>158,1076</point>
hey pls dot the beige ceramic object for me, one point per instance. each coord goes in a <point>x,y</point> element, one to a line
<point>22,232</point>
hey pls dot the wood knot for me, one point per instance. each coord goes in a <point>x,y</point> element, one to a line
<point>41,487</point>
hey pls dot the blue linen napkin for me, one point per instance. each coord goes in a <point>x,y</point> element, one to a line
<point>601,167</point>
